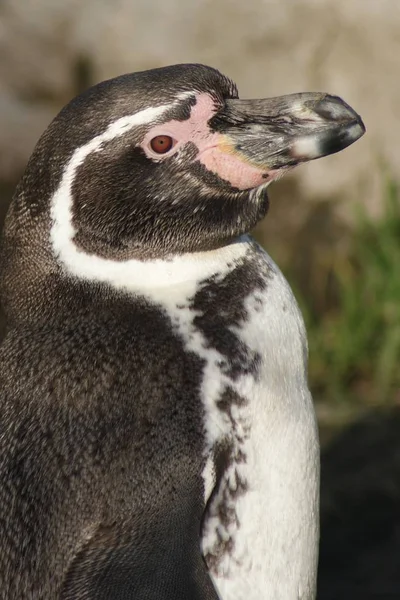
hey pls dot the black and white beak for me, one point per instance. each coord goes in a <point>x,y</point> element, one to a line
<point>278,133</point>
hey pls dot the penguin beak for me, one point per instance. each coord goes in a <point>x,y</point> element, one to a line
<point>279,133</point>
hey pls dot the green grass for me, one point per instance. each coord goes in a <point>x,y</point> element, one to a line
<point>355,340</point>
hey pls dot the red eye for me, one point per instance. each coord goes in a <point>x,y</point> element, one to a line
<point>161,144</point>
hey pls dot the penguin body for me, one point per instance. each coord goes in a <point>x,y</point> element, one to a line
<point>158,436</point>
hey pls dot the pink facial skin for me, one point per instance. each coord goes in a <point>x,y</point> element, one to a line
<point>215,151</point>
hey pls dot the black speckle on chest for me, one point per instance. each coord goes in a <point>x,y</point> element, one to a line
<point>223,306</point>
<point>221,312</point>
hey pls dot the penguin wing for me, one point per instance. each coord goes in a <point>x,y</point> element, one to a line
<point>92,506</point>
<point>112,566</point>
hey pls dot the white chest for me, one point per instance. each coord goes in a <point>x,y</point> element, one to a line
<point>260,534</point>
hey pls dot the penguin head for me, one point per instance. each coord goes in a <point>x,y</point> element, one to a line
<point>170,161</point>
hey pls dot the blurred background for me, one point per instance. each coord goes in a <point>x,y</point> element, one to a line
<point>333,226</point>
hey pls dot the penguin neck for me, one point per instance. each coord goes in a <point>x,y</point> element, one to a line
<point>44,270</point>
<point>146,276</point>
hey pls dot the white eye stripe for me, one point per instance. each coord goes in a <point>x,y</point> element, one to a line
<point>120,127</point>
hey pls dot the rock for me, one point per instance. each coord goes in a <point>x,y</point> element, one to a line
<point>51,49</point>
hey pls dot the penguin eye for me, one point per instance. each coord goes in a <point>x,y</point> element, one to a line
<point>161,144</point>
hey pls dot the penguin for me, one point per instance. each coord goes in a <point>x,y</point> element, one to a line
<point>157,435</point>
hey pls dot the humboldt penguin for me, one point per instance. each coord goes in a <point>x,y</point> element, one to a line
<point>157,435</point>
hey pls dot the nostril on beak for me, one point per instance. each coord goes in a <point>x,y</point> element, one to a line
<point>333,108</point>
